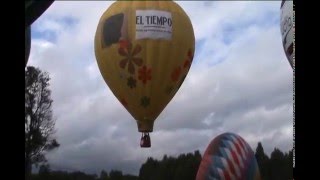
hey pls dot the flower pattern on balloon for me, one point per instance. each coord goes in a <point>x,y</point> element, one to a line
<point>124,102</point>
<point>187,62</point>
<point>145,101</point>
<point>144,74</point>
<point>131,82</point>
<point>176,74</point>
<point>123,43</point>
<point>130,59</point>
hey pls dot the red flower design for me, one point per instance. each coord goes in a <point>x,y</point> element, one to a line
<point>144,74</point>
<point>175,74</point>
<point>123,43</point>
<point>187,62</point>
<point>124,102</point>
<point>126,50</point>
<point>190,55</point>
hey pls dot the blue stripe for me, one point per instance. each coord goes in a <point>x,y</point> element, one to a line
<point>226,144</point>
<point>252,169</point>
<point>213,170</point>
<point>223,153</point>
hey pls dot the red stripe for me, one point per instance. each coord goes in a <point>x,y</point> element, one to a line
<point>232,169</point>
<point>243,145</point>
<point>238,149</point>
<point>235,157</point>
<point>204,166</point>
<point>243,162</point>
<point>244,156</point>
<point>226,175</point>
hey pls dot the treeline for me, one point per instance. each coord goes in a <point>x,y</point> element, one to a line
<point>64,175</point>
<point>185,166</point>
<point>278,167</point>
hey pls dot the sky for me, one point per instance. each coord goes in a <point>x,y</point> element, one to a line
<point>240,81</point>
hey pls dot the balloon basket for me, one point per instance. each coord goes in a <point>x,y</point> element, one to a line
<point>145,141</point>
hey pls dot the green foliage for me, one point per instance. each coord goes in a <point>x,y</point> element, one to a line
<point>104,175</point>
<point>116,175</point>
<point>39,125</point>
<point>277,167</point>
<point>262,160</point>
<point>185,166</point>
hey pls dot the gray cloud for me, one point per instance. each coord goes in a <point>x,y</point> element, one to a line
<point>240,82</point>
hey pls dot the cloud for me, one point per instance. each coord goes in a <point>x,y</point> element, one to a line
<point>240,82</point>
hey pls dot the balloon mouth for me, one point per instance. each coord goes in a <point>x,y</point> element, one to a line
<point>145,126</point>
<point>145,141</point>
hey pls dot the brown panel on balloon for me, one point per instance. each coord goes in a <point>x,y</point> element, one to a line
<point>112,30</point>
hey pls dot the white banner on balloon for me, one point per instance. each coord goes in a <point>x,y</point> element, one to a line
<point>153,24</point>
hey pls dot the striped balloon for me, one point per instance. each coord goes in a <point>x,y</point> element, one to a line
<point>287,26</point>
<point>228,157</point>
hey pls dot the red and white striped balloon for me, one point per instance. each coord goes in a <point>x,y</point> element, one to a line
<point>228,157</point>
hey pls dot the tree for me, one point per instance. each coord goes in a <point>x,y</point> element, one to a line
<point>277,165</point>
<point>185,166</point>
<point>115,175</point>
<point>149,169</point>
<point>39,124</point>
<point>44,171</point>
<point>288,169</point>
<point>104,175</point>
<point>262,160</point>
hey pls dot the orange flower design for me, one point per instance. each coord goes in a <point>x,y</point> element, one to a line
<point>175,74</point>
<point>144,74</point>
<point>126,50</point>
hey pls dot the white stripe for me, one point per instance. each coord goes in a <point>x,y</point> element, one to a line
<point>234,149</point>
<point>226,165</point>
<point>237,141</point>
<point>220,171</point>
<point>245,146</point>
<point>236,167</point>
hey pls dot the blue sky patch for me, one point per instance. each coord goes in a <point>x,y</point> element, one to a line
<point>50,36</point>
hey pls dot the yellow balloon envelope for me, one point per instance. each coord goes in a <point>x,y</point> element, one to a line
<point>144,50</point>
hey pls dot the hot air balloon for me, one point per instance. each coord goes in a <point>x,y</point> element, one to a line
<point>144,50</point>
<point>288,29</point>
<point>27,43</point>
<point>228,156</point>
